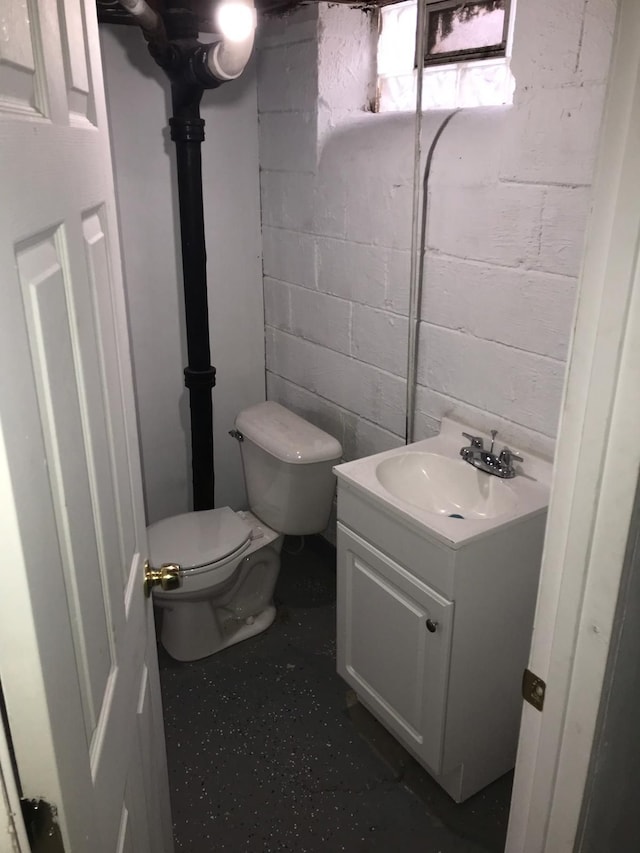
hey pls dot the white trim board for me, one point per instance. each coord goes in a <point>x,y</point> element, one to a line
<point>595,479</point>
<point>13,836</point>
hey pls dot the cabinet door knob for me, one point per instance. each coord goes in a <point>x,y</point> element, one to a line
<point>432,626</point>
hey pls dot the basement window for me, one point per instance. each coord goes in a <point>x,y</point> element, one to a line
<point>466,59</point>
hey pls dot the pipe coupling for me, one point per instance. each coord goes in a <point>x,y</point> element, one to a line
<point>199,378</point>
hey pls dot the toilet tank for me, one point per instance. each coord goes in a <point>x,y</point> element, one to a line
<point>287,465</point>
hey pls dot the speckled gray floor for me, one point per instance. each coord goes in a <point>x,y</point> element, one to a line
<point>269,751</point>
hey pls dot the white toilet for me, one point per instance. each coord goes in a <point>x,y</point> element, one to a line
<point>230,560</point>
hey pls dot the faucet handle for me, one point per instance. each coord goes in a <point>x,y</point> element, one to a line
<point>508,456</point>
<point>474,440</point>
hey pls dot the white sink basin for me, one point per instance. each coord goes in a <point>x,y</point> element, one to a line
<point>445,486</point>
<point>428,486</point>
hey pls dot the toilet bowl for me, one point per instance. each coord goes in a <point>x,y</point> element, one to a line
<point>230,560</point>
<point>228,579</point>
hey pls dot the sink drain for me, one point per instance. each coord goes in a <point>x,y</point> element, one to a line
<point>456,515</point>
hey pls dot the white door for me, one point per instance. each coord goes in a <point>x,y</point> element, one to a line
<point>78,663</point>
<point>595,482</point>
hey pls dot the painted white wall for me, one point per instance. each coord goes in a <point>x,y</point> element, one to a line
<point>138,105</point>
<point>508,205</point>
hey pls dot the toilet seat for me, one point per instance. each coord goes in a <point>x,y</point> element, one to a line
<point>205,541</point>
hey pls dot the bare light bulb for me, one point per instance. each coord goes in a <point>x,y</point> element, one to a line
<point>236,20</point>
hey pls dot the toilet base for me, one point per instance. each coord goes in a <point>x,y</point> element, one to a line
<point>199,619</point>
<point>206,633</point>
<point>251,626</point>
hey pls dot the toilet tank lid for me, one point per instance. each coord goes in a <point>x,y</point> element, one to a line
<point>287,436</point>
<point>197,539</point>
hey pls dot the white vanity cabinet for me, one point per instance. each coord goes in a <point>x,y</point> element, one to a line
<point>434,635</point>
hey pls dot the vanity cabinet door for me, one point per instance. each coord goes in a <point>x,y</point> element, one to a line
<point>394,639</point>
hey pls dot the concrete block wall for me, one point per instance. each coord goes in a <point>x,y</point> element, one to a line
<point>507,208</point>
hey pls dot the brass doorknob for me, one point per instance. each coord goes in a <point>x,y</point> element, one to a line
<point>167,576</point>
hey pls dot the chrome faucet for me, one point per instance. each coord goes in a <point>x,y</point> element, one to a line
<point>485,460</point>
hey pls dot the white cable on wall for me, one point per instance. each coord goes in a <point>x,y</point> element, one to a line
<point>415,233</point>
<point>419,215</point>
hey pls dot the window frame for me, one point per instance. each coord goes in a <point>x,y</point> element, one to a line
<point>470,54</point>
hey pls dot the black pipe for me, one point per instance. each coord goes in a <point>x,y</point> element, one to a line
<point>187,131</point>
<point>183,59</point>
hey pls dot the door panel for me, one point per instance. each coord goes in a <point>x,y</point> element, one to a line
<point>77,649</point>
<point>385,651</point>
<point>21,78</point>
<point>76,67</point>
<point>125,842</point>
<point>44,292</point>
<point>97,253</point>
<point>387,643</point>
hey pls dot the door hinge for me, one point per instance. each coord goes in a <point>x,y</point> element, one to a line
<point>41,822</point>
<point>533,689</point>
